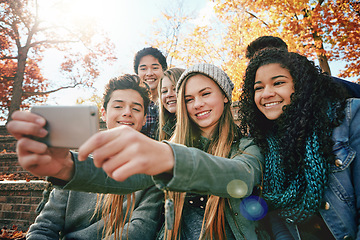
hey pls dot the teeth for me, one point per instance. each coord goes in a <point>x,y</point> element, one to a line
<point>150,80</point>
<point>171,102</point>
<point>271,104</point>
<point>203,113</point>
<point>125,123</point>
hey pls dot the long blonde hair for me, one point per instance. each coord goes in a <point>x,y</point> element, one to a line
<point>187,133</point>
<point>111,208</point>
<point>164,115</point>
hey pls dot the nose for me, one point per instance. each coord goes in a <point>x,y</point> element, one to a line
<point>126,111</point>
<point>198,103</point>
<point>268,92</point>
<point>170,93</point>
<point>149,71</point>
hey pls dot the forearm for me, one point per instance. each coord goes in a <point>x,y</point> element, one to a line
<point>200,172</point>
<point>88,178</point>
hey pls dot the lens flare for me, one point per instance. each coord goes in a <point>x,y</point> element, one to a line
<point>237,188</point>
<point>253,208</point>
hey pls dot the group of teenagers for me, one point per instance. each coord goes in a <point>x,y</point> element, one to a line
<point>173,164</point>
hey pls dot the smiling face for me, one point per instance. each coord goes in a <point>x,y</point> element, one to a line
<point>150,71</point>
<point>168,95</point>
<point>125,107</point>
<point>204,102</point>
<point>273,88</point>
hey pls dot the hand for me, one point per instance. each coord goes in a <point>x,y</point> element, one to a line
<point>35,156</point>
<point>123,152</point>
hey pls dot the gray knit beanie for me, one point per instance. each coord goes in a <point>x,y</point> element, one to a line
<point>213,72</point>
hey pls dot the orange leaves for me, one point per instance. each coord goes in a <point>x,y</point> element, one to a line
<point>12,234</point>
<point>23,39</point>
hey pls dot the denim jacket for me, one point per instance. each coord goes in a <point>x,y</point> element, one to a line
<point>341,208</point>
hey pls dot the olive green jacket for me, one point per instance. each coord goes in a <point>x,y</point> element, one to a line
<point>194,171</point>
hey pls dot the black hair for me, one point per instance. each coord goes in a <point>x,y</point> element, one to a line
<point>125,82</point>
<point>264,42</point>
<point>149,51</point>
<point>308,112</point>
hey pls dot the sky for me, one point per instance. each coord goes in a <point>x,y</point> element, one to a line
<point>129,24</point>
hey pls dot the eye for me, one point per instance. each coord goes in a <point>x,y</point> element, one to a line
<point>164,92</point>
<point>257,88</point>
<point>206,93</point>
<point>117,106</point>
<point>188,100</point>
<point>279,83</point>
<point>136,109</point>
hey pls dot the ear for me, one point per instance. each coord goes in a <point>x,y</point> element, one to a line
<point>103,114</point>
<point>144,121</point>
<point>226,100</point>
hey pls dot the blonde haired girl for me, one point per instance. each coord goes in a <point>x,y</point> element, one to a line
<point>168,102</point>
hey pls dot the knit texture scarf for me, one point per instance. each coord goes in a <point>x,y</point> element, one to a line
<point>298,192</point>
<point>297,196</point>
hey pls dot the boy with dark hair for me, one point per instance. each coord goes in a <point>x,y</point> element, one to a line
<point>264,42</point>
<point>149,65</point>
<point>276,42</point>
<point>70,214</point>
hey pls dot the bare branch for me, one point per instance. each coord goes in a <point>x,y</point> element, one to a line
<point>254,16</point>
<point>50,42</point>
<point>51,91</point>
<point>7,57</point>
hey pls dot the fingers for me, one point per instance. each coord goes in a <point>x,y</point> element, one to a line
<point>123,172</point>
<point>32,154</point>
<point>102,145</point>
<point>27,145</point>
<point>149,158</point>
<point>40,160</point>
<point>123,152</point>
<point>26,123</point>
<point>28,117</point>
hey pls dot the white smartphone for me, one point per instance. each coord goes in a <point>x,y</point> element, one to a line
<point>68,126</point>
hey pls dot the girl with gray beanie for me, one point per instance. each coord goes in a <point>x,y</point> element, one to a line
<point>207,171</point>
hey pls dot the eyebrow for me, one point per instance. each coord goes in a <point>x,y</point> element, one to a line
<point>135,103</point>
<point>273,78</point>
<point>144,65</point>
<point>201,90</point>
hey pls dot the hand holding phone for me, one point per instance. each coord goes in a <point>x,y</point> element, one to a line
<point>68,126</point>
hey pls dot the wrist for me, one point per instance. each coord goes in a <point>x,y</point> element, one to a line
<point>68,170</point>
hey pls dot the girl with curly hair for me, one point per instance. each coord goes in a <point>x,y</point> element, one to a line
<point>310,137</point>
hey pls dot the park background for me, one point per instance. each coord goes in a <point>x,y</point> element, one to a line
<point>65,51</point>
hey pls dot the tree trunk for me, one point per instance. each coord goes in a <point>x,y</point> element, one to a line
<point>320,52</point>
<point>18,82</point>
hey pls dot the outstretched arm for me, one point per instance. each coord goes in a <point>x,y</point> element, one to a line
<point>34,156</point>
<point>123,152</point>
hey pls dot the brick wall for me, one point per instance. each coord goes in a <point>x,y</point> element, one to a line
<point>18,199</point>
<point>18,202</point>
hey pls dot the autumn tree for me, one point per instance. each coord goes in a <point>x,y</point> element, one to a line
<point>324,30</point>
<point>168,30</point>
<point>25,35</point>
<point>327,30</point>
